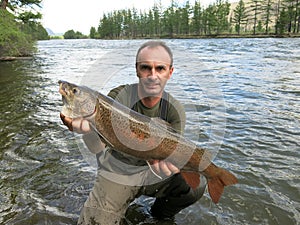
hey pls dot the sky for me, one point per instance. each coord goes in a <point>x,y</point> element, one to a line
<point>80,15</point>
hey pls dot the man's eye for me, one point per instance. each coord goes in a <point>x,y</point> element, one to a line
<point>145,67</point>
<point>160,68</point>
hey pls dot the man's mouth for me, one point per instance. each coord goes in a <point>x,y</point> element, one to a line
<point>151,85</point>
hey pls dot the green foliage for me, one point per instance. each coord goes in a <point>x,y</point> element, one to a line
<point>240,16</point>
<point>20,29</point>
<point>35,30</point>
<point>174,21</point>
<point>267,9</point>
<point>71,34</point>
<point>56,37</point>
<point>93,32</point>
<point>13,42</point>
<point>282,22</point>
<point>255,9</point>
<point>186,20</point>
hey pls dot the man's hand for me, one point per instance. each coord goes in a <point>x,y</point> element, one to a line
<point>78,125</point>
<point>161,166</point>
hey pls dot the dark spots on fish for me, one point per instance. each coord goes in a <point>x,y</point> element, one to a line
<point>141,131</point>
<point>93,221</point>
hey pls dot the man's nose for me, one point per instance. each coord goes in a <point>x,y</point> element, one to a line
<point>153,72</point>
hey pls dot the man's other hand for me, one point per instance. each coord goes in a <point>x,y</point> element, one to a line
<point>161,166</point>
<point>78,125</point>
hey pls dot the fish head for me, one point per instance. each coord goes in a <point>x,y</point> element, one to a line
<point>78,101</point>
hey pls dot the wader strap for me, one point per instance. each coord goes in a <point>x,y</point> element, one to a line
<point>134,97</point>
<point>163,113</point>
<point>164,106</point>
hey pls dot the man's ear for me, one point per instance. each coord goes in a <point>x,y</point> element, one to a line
<point>171,72</point>
<point>136,70</point>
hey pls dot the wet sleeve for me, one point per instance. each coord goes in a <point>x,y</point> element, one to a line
<point>114,92</point>
<point>121,94</point>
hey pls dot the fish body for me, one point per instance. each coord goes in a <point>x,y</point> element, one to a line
<point>140,136</point>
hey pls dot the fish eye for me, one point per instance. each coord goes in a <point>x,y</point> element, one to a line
<point>75,91</point>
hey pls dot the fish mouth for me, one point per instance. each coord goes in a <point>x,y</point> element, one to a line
<point>63,88</point>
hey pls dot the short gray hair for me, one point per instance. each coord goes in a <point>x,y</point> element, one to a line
<point>153,44</point>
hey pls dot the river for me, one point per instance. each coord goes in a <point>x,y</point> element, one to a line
<point>242,99</point>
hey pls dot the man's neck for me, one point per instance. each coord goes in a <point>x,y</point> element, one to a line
<point>150,101</point>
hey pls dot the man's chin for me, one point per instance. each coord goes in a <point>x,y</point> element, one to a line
<point>152,91</point>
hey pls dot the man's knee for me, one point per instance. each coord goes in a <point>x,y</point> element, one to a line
<point>107,203</point>
<point>168,207</point>
<point>94,216</point>
<point>178,197</point>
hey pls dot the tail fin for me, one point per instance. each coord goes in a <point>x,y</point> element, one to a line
<point>216,184</point>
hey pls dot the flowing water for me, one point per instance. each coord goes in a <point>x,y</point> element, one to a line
<point>242,99</point>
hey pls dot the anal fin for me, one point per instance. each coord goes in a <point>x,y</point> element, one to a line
<point>191,178</point>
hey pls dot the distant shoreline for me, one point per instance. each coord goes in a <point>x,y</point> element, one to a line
<point>219,36</point>
<point>240,36</point>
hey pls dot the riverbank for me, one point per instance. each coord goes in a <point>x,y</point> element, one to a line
<point>219,36</point>
<point>13,58</point>
<point>237,36</point>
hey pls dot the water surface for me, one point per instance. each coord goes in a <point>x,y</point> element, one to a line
<point>242,98</point>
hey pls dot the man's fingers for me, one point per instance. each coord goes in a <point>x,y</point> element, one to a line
<point>155,166</point>
<point>78,125</point>
<point>172,168</point>
<point>81,126</point>
<point>85,126</point>
<point>66,121</point>
<point>164,168</point>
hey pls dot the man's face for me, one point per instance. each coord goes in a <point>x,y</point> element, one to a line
<point>154,70</point>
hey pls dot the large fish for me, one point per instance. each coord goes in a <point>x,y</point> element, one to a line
<point>140,136</point>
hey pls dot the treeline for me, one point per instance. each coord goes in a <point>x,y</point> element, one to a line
<point>192,20</point>
<point>20,27</point>
<point>71,34</point>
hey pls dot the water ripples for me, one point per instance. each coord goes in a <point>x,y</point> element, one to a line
<point>242,102</point>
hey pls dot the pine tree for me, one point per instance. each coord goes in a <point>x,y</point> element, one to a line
<point>267,12</point>
<point>196,18</point>
<point>255,8</point>
<point>240,16</point>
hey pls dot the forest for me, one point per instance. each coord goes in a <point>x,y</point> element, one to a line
<point>20,28</point>
<point>20,24</point>
<point>246,17</point>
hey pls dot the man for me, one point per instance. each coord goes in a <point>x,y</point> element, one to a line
<point>122,178</point>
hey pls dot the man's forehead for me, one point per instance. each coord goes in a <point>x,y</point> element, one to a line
<point>155,62</point>
<point>157,54</point>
